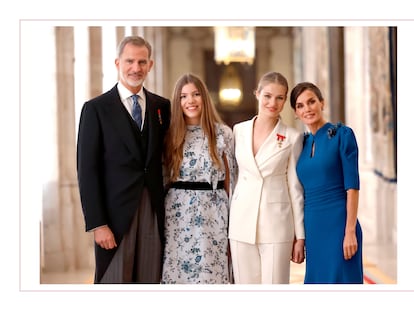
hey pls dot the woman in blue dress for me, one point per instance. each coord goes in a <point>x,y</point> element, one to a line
<point>328,171</point>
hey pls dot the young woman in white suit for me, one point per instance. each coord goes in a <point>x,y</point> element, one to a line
<point>266,228</point>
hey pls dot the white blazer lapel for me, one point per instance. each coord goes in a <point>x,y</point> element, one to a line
<point>244,146</point>
<point>275,143</point>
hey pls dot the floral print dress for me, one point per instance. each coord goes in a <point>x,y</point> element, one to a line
<point>196,221</point>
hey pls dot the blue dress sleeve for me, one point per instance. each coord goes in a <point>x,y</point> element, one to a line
<point>349,156</point>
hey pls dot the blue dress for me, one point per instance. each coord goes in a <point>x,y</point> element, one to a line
<point>326,176</point>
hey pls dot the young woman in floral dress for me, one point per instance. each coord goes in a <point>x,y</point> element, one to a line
<point>199,169</point>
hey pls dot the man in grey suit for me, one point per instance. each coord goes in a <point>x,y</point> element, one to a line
<point>119,163</point>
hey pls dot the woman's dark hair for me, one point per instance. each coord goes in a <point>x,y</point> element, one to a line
<point>300,88</point>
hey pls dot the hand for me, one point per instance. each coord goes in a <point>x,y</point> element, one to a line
<point>104,237</point>
<point>350,245</point>
<point>298,251</point>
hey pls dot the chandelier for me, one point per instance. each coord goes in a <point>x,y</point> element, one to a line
<point>230,84</point>
<point>234,44</point>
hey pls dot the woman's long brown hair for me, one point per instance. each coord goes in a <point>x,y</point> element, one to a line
<point>174,140</point>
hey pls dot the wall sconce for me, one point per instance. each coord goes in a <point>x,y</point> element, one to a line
<point>234,44</point>
<point>230,85</point>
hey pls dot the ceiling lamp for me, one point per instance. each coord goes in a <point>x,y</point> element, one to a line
<point>234,44</point>
<point>230,93</point>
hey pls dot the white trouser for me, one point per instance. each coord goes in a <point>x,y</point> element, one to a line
<point>261,263</point>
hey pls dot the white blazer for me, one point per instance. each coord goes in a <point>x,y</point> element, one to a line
<point>267,204</point>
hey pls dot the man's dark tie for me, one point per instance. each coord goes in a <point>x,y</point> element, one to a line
<point>136,111</point>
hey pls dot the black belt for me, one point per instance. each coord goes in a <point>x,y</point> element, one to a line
<point>189,185</point>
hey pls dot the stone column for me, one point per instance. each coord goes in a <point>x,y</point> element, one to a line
<point>315,60</point>
<point>367,95</point>
<point>158,70</point>
<point>281,60</point>
<point>95,61</point>
<point>178,53</point>
<point>68,191</point>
